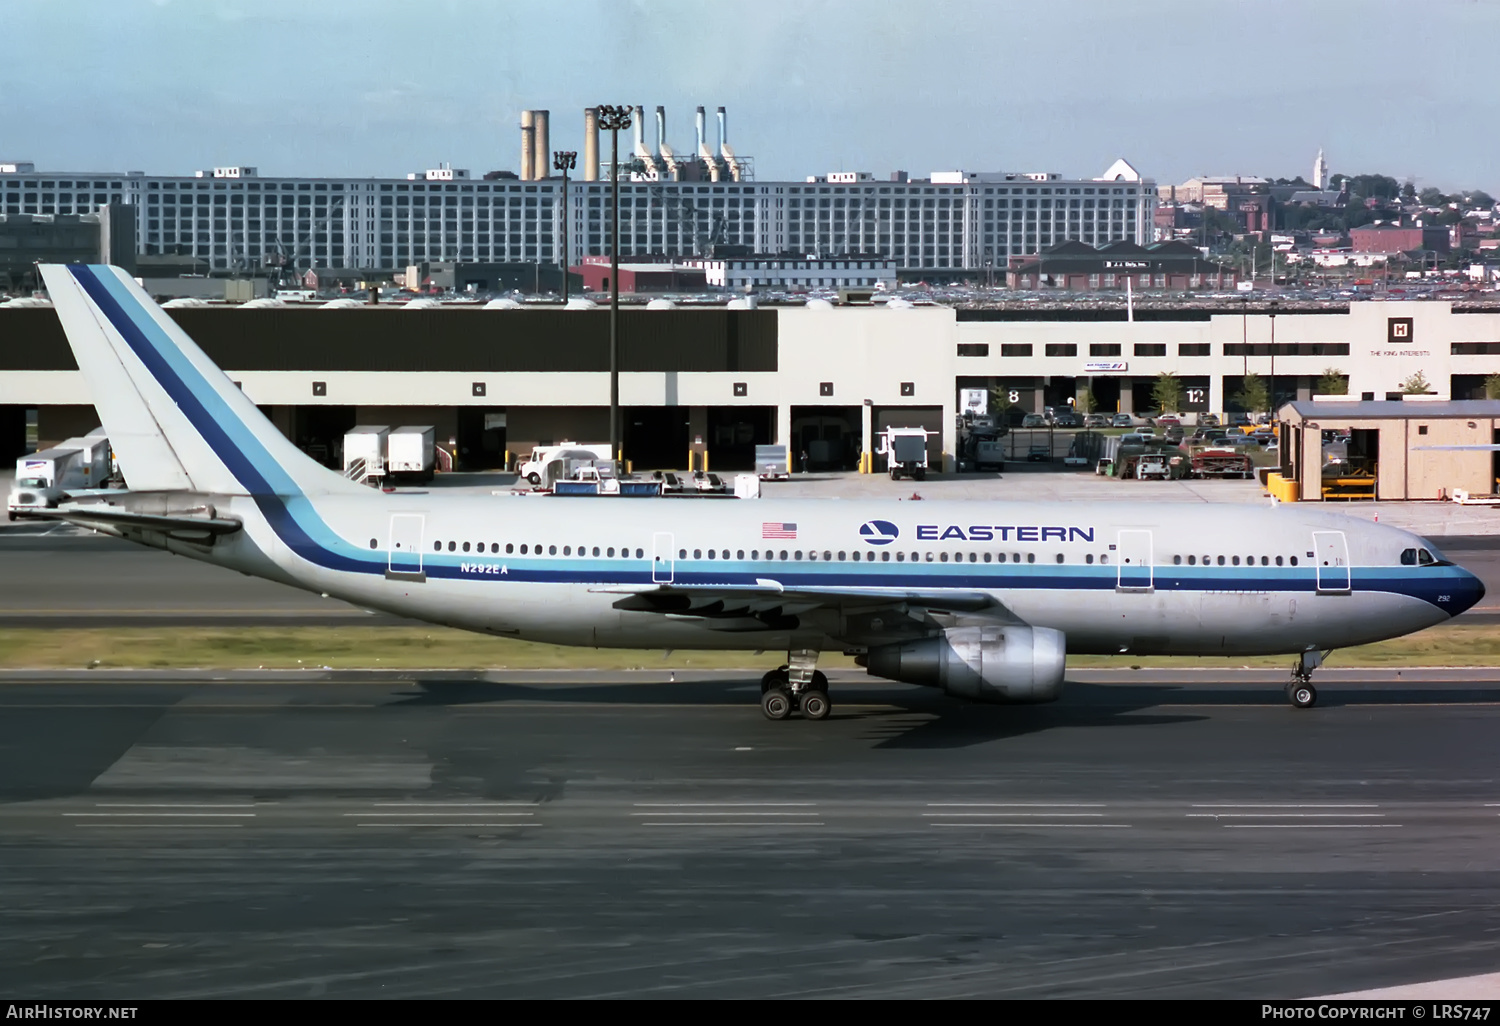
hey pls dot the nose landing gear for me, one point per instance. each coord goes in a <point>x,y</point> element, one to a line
<point>1300,691</point>
<point>796,686</point>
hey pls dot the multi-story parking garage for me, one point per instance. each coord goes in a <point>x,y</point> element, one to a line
<point>718,381</point>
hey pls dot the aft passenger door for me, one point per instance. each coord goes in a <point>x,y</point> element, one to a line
<point>663,561</point>
<point>404,552</point>
<point>1134,561</point>
<point>1332,548</point>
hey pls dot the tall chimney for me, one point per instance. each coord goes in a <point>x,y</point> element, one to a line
<point>591,144</point>
<point>661,127</point>
<point>528,144</point>
<point>698,119</point>
<point>723,130</point>
<point>638,115</point>
<point>543,166</point>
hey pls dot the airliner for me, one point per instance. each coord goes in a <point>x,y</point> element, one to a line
<point>981,599</point>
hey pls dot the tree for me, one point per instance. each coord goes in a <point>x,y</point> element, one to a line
<point>1167,392</point>
<point>1253,394</point>
<point>1416,385</point>
<point>1479,198</point>
<point>1085,402</point>
<point>1433,197</point>
<point>1492,386</point>
<point>1409,191</point>
<point>1333,382</point>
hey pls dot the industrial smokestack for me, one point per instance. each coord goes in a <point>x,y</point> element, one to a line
<point>736,171</point>
<point>638,118</point>
<point>664,148</point>
<point>723,130</point>
<point>706,155</point>
<point>698,120</point>
<point>542,119</point>
<point>528,145</point>
<point>591,144</point>
<point>661,127</point>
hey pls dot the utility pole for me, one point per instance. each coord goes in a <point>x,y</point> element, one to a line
<point>613,119</point>
<point>564,161</point>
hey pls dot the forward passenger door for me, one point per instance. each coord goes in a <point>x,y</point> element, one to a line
<point>1332,548</point>
<point>404,550</point>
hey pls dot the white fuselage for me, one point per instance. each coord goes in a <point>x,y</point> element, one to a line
<point>1114,577</point>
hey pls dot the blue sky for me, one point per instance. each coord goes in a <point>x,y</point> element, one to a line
<point>377,87</point>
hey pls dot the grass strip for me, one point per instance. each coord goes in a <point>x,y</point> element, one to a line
<point>402,648</point>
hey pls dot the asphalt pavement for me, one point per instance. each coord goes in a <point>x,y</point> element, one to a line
<point>625,834</point>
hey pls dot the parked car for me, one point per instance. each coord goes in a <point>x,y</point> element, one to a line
<point>1067,420</point>
<point>1039,454</point>
<point>1146,430</point>
<point>1034,420</point>
<point>1096,420</point>
<point>1122,420</point>
<point>1174,434</point>
<point>1208,420</point>
<point>1168,419</point>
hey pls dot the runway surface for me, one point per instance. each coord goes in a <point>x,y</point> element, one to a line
<point>596,835</point>
<point>61,576</point>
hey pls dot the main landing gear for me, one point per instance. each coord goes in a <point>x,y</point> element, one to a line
<point>796,686</point>
<point>1299,691</point>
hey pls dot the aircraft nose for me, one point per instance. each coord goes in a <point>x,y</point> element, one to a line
<point>1467,594</point>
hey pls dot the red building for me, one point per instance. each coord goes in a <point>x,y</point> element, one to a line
<point>1386,238</point>
<point>641,276</point>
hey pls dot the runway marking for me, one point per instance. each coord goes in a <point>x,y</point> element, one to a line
<point>952,815</point>
<point>159,826</point>
<point>1016,805</point>
<point>1034,826</point>
<point>451,805</point>
<point>160,815</point>
<point>471,823</point>
<point>411,815</point>
<point>1304,805</point>
<point>177,805</point>
<point>1311,826</point>
<point>724,805</point>
<point>1284,815</point>
<point>721,823</point>
<point>725,813</point>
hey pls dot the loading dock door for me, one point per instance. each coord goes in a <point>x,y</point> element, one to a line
<point>663,561</point>
<point>404,553</point>
<point>1134,566</point>
<point>1332,549</point>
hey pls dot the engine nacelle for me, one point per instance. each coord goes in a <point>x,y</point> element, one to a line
<point>985,664</point>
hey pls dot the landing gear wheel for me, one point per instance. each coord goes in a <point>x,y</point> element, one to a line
<point>920,473</point>
<point>1302,694</point>
<point>815,705</point>
<point>776,703</point>
<point>777,678</point>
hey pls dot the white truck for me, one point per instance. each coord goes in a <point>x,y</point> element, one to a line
<point>771,463</point>
<point>43,479</point>
<point>93,466</point>
<point>411,454</point>
<point>905,452</point>
<point>535,468</point>
<point>364,451</point>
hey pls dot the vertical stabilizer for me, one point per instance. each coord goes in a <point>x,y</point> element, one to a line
<point>175,421</point>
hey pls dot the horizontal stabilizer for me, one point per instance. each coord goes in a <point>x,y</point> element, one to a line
<point>109,517</point>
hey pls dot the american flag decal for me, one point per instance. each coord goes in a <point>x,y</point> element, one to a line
<point>779,531</point>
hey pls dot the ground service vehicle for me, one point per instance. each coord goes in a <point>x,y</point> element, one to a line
<point>411,454</point>
<point>905,452</point>
<point>535,467</point>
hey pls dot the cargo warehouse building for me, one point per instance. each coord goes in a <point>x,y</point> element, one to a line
<point>720,381</point>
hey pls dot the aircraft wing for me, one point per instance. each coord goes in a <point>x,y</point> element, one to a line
<point>856,615</point>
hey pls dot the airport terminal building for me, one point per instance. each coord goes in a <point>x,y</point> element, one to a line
<point>821,379</point>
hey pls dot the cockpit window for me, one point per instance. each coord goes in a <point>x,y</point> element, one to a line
<point>1425,558</point>
<point>1422,557</point>
<point>1408,557</point>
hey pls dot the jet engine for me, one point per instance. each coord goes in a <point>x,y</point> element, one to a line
<point>985,664</point>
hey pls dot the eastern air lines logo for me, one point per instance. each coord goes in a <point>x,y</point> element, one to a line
<point>879,532</point>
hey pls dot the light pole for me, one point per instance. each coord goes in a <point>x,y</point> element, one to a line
<point>613,119</point>
<point>564,161</point>
<point>1273,358</point>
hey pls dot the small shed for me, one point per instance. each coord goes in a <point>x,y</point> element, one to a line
<point>1385,454</point>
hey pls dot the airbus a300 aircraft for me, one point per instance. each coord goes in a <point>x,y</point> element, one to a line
<point>981,599</point>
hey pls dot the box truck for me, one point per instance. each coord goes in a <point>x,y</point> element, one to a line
<point>535,467</point>
<point>364,451</point>
<point>43,479</point>
<point>410,454</point>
